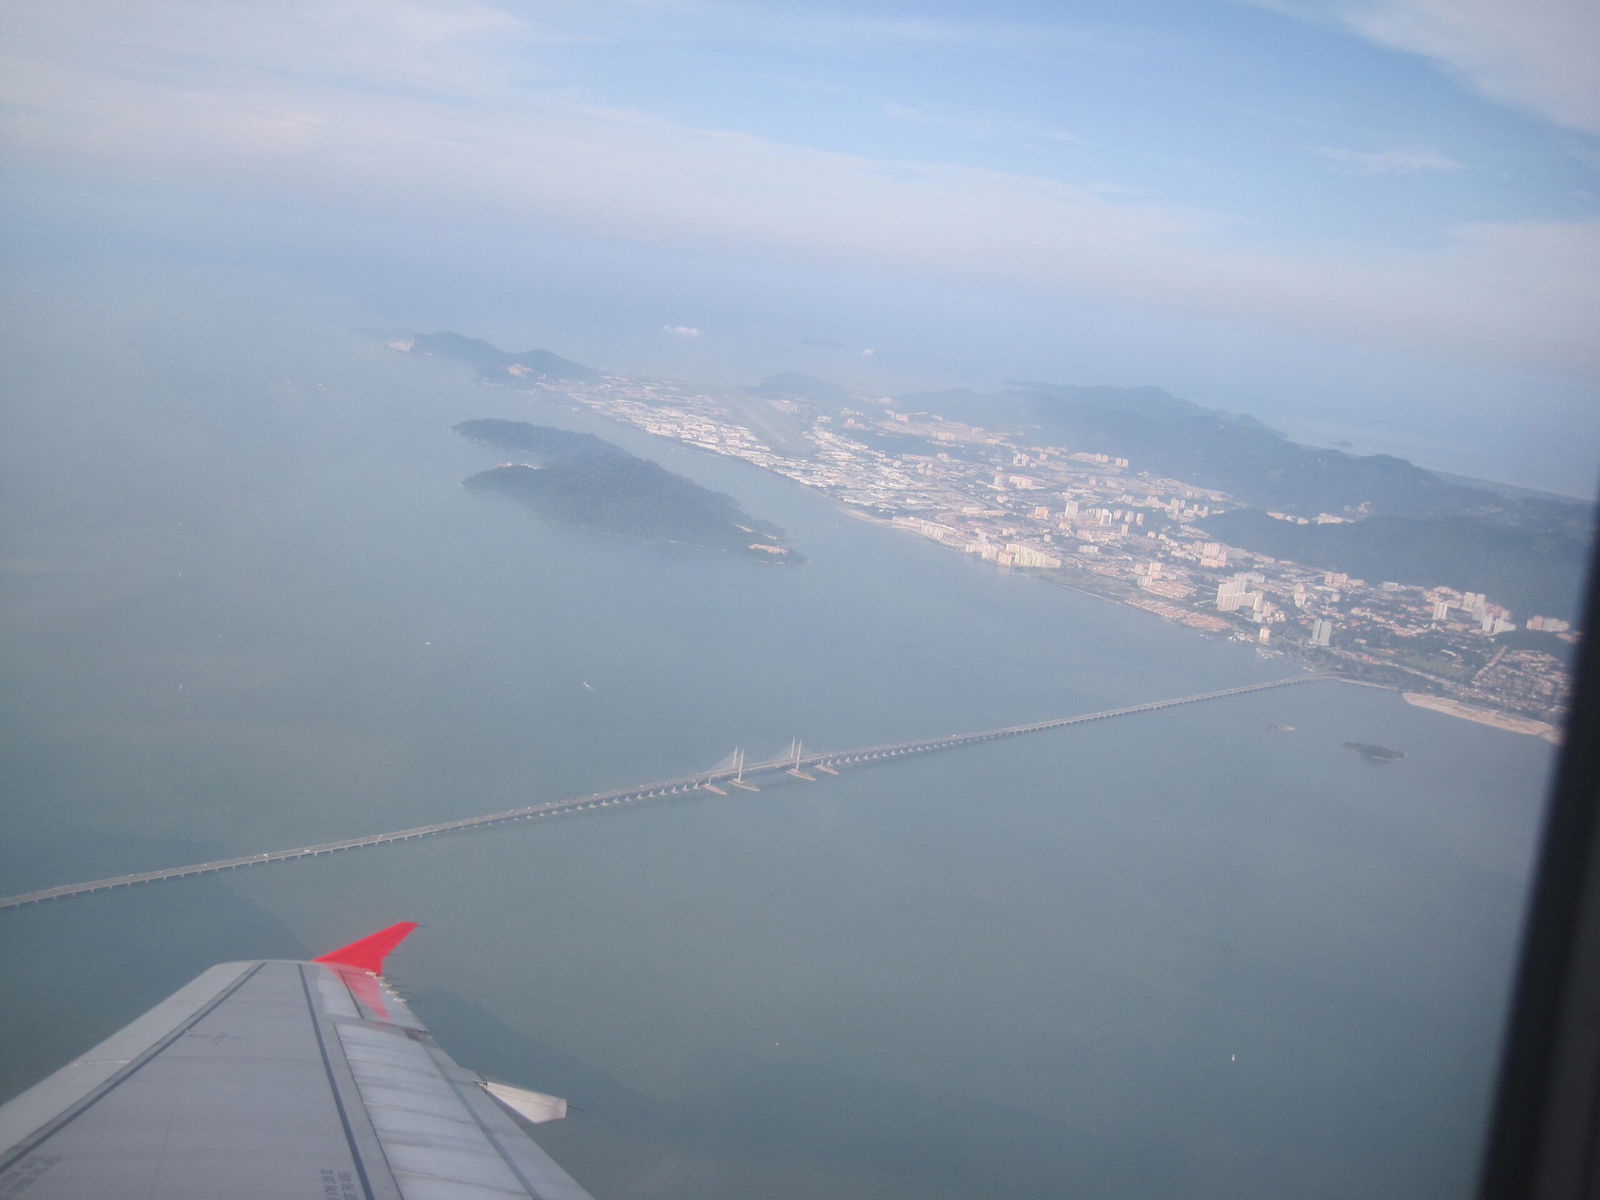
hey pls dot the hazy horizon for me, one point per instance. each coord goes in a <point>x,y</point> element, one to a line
<point>1372,220</point>
<point>1398,447</point>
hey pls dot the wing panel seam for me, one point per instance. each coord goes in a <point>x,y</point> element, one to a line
<point>73,1111</point>
<point>467,1103</point>
<point>338,1100</point>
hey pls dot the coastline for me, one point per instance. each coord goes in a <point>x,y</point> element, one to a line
<point>1200,622</point>
<point>1440,704</point>
<point>1485,716</point>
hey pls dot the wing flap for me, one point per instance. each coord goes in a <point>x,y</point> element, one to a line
<point>533,1107</point>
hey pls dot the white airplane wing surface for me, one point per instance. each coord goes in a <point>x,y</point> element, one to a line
<point>278,1079</point>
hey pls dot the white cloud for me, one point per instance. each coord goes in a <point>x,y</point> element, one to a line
<point>1537,55</point>
<point>471,147</point>
<point>459,48</point>
<point>1388,162</point>
<point>868,352</point>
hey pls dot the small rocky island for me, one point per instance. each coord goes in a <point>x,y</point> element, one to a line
<point>583,480</point>
<point>1372,753</point>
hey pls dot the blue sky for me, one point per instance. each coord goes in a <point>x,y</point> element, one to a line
<point>1376,220</point>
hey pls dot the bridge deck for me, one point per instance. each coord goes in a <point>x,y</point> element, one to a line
<point>629,795</point>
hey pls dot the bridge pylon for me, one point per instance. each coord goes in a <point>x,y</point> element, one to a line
<point>738,780</point>
<point>796,754</point>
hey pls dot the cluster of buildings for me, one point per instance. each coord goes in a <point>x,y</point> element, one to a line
<point>1095,522</point>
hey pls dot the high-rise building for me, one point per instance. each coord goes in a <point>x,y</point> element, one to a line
<point>1321,632</point>
<point>1441,610</point>
<point>1548,624</point>
<point>1234,594</point>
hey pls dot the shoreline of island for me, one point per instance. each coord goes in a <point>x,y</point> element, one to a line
<point>585,482</point>
<point>1443,705</point>
<point>1486,716</point>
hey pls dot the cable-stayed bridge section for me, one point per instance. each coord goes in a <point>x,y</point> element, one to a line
<point>732,772</point>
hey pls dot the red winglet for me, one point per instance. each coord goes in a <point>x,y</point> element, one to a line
<point>368,953</point>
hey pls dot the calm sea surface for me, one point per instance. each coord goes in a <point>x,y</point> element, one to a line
<point>248,606</point>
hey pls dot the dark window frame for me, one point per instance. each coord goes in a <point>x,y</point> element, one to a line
<point>1544,1136</point>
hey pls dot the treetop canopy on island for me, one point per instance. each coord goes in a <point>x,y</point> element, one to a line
<point>586,481</point>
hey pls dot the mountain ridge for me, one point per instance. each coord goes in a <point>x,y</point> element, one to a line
<point>1229,452</point>
<point>494,363</point>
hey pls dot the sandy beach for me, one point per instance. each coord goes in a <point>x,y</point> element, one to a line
<point>1485,716</point>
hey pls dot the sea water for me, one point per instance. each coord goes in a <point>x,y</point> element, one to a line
<point>249,607</point>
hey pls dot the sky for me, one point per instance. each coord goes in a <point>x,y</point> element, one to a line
<point>1373,221</point>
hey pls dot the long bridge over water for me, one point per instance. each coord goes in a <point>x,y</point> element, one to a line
<point>798,763</point>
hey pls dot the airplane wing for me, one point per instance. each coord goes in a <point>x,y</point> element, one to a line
<point>278,1079</point>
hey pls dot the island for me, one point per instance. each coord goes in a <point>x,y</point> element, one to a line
<point>1372,753</point>
<point>586,481</point>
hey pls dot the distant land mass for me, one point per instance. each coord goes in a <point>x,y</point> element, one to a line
<point>1230,452</point>
<point>1524,549</point>
<point>493,363</point>
<point>1513,490</point>
<point>793,385</point>
<point>586,481</point>
<point>1529,571</point>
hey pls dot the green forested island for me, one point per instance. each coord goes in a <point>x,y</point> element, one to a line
<point>583,480</point>
<point>1374,753</point>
